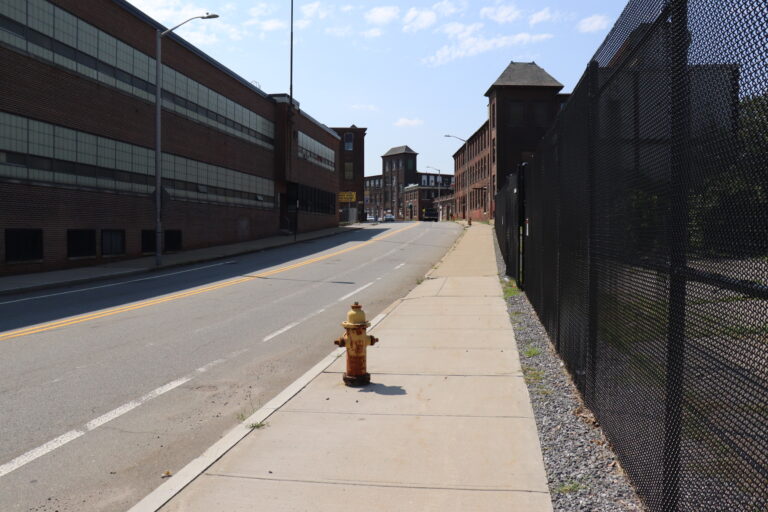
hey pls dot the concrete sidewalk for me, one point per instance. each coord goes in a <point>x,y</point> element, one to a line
<point>40,280</point>
<point>446,424</point>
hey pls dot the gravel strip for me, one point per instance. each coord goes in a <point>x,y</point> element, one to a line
<point>582,470</point>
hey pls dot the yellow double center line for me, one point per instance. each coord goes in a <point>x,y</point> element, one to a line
<point>195,291</point>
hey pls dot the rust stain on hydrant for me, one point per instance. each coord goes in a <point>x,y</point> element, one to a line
<point>357,342</point>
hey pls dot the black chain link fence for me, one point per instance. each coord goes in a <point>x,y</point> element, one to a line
<point>640,235</point>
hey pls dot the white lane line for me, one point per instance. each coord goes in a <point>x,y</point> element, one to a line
<point>210,365</point>
<point>400,266</point>
<point>63,439</point>
<point>39,451</point>
<point>355,291</point>
<point>116,284</point>
<point>280,331</point>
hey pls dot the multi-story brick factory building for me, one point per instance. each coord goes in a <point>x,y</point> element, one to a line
<point>399,169</point>
<point>351,177</point>
<point>420,199</point>
<point>522,104</point>
<point>77,172</point>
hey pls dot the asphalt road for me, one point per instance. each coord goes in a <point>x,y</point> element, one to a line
<point>105,386</point>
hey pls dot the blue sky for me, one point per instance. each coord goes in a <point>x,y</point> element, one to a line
<point>409,71</point>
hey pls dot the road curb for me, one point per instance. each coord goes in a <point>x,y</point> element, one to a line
<point>163,494</point>
<point>429,273</point>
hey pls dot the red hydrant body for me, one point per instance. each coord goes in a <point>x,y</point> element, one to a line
<point>356,341</point>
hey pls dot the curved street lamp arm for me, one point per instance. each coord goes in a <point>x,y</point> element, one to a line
<point>207,16</point>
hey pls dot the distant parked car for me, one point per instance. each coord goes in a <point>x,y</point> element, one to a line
<point>370,218</point>
<point>388,217</point>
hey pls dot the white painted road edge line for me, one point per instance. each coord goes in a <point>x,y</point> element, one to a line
<point>163,494</point>
<point>39,451</point>
<point>355,291</point>
<point>279,331</point>
<point>400,266</point>
<point>160,496</point>
<point>63,439</point>
<point>116,284</point>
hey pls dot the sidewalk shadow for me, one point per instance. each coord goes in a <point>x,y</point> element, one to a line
<point>383,389</point>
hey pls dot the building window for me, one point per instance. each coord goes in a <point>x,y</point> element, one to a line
<point>316,152</point>
<point>349,171</point>
<point>172,240</point>
<point>23,245</point>
<point>147,241</point>
<point>81,243</point>
<point>112,242</point>
<point>349,140</point>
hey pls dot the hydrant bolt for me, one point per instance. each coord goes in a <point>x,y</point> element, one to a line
<point>356,342</point>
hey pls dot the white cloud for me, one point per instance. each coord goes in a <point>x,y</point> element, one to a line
<point>468,44</point>
<point>594,23</point>
<point>416,19</point>
<point>447,8</point>
<point>368,107</point>
<point>261,9</point>
<point>347,8</point>
<point>302,24</point>
<point>374,32</point>
<point>314,10</point>
<point>270,25</point>
<point>460,30</point>
<point>382,15</point>
<point>404,121</point>
<point>339,31</point>
<point>505,13</point>
<point>199,32</point>
<point>258,12</point>
<point>541,16</point>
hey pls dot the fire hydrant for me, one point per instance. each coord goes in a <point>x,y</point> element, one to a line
<point>357,342</point>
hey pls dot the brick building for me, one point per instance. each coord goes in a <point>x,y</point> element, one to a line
<point>351,176</point>
<point>399,169</point>
<point>522,104</point>
<point>420,197</point>
<point>77,171</point>
<point>374,196</point>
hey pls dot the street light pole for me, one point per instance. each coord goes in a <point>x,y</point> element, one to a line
<point>466,182</point>
<point>290,132</point>
<point>158,127</point>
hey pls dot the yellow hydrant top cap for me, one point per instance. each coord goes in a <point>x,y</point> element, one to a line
<point>355,317</point>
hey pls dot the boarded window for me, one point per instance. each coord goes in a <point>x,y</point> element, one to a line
<point>23,245</point>
<point>81,243</point>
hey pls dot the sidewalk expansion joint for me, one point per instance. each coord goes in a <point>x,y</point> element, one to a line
<point>396,485</point>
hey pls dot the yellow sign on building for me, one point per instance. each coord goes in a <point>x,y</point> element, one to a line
<point>347,197</point>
